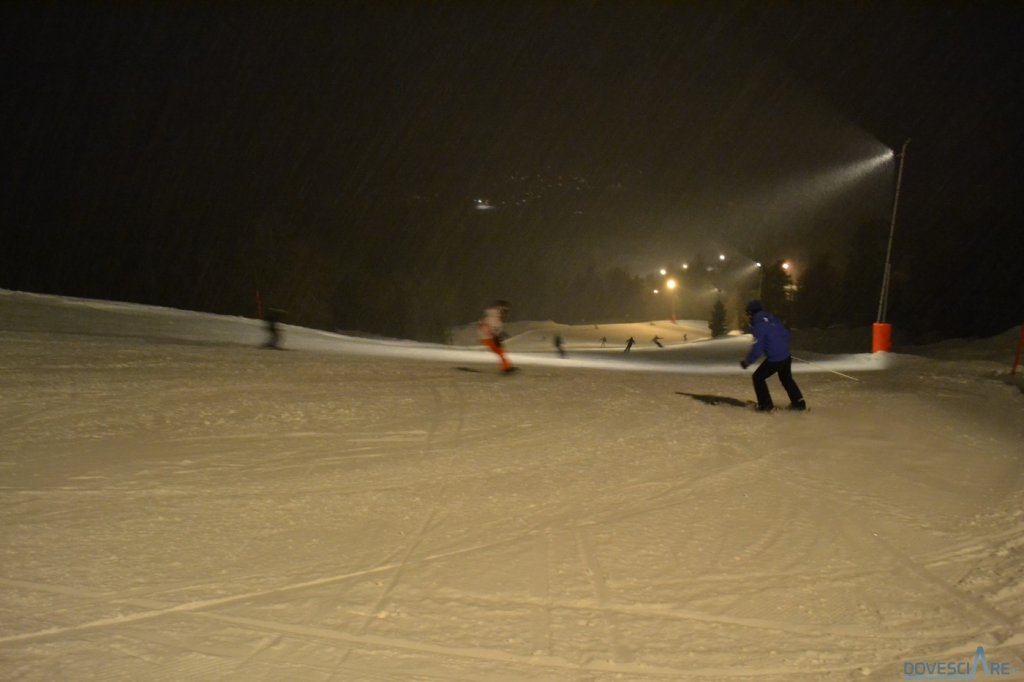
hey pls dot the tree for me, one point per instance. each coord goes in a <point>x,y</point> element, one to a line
<point>624,294</point>
<point>818,299</point>
<point>774,289</point>
<point>865,260</point>
<point>717,322</point>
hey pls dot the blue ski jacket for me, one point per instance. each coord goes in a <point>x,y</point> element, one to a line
<point>771,338</point>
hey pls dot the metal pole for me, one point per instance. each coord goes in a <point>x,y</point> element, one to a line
<point>883,300</point>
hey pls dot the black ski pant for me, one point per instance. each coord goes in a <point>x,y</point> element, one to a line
<point>784,368</point>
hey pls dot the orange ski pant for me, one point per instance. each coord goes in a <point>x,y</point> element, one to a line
<point>495,346</point>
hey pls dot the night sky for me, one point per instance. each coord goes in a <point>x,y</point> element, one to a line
<point>367,166</point>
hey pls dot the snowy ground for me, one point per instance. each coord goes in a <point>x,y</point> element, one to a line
<point>178,504</point>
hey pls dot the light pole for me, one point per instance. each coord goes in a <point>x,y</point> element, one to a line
<point>671,286</point>
<point>881,336</point>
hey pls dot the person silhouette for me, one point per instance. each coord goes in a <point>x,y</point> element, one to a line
<point>491,330</point>
<point>771,339</point>
<point>272,322</point>
<point>559,346</point>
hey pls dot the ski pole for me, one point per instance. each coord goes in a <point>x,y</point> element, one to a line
<point>846,376</point>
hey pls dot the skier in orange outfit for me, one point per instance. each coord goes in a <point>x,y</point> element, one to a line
<point>492,332</point>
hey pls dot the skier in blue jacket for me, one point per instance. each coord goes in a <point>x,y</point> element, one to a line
<point>771,339</point>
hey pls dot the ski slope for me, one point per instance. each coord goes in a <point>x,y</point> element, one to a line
<point>179,504</point>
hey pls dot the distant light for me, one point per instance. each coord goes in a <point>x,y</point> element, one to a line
<point>663,271</point>
<point>654,291</point>
<point>721,256</point>
<point>758,263</point>
<point>786,266</point>
<point>686,266</point>
<point>483,205</point>
<point>671,284</point>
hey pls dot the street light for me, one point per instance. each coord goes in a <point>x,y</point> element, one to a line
<point>881,331</point>
<point>671,286</point>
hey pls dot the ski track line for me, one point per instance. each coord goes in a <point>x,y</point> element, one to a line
<point>969,607</point>
<point>504,657</point>
<point>397,574</point>
<point>784,516</point>
<point>974,548</point>
<point>125,651</point>
<point>566,519</point>
<point>351,671</point>
<point>222,653</point>
<point>572,517</point>
<point>557,520</point>
<point>460,422</point>
<point>540,590</point>
<point>436,420</point>
<point>569,516</point>
<point>159,609</point>
<point>617,512</point>
<point>265,644</point>
<point>658,611</point>
<point>592,567</point>
<point>53,589</point>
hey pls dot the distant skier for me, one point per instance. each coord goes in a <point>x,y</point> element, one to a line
<point>771,339</point>
<point>604,341</point>
<point>559,346</point>
<point>657,341</point>
<point>629,344</point>
<point>272,321</point>
<point>491,330</point>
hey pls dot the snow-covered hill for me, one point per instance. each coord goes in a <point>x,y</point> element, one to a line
<point>179,504</point>
<point>531,335</point>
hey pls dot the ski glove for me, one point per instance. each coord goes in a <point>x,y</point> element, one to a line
<point>744,364</point>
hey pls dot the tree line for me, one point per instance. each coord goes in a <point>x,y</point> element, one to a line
<point>417,278</point>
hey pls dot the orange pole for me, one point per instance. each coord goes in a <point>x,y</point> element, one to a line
<point>881,337</point>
